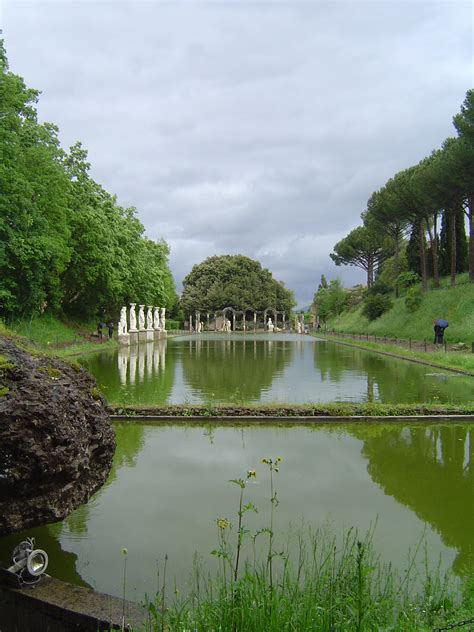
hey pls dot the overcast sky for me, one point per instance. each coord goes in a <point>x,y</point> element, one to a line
<point>248,127</point>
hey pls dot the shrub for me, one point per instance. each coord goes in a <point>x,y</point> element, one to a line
<point>376,305</point>
<point>413,299</point>
<point>407,280</point>
<point>379,287</point>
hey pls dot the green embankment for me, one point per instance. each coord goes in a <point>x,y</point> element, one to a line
<point>47,334</point>
<point>454,304</point>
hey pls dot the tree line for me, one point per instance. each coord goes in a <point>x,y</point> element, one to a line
<point>417,219</point>
<point>66,246</point>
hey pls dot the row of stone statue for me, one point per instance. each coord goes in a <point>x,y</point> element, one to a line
<point>155,319</point>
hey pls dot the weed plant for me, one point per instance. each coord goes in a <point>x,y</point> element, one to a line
<point>312,581</point>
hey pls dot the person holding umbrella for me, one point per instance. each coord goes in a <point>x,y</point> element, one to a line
<point>439,326</point>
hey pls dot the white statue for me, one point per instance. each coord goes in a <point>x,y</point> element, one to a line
<point>162,319</point>
<point>133,318</point>
<point>141,318</point>
<point>149,317</point>
<point>298,327</point>
<point>270,325</point>
<point>122,326</point>
<point>156,318</point>
<point>199,329</point>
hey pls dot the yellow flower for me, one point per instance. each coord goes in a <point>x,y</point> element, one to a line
<point>223,523</point>
<point>266,461</point>
<point>251,474</point>
<point>279,459</point>
<point>124,551</point>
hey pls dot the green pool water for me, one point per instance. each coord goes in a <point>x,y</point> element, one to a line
<point>170,483</point>
<point>266,368</point>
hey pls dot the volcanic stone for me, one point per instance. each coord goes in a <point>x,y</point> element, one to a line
<point>56,440</point>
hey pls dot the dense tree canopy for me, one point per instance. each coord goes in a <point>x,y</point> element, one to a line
<point>428,201</point>
<point>66,246</point>
<point>233,281</point>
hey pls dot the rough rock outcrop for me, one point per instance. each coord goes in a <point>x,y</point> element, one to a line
<point>56,441</point>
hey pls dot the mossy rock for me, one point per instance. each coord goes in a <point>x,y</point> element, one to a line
<point>56,440</point>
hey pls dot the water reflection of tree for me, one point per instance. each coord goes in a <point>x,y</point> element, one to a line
<point>139,374</point>
<point>390,380</point>
<point>431,471</point>
<point>234,370</point>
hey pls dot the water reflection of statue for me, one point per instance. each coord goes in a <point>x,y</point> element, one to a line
<point>156,319</point>
<point>141,318</point>
<point>133,318</point>
<point>149,318</point>
<point>149,361</point>
<point>141,364</point>
<point>122,360</point>
<point>133,364</point>
<point>122,326</point>
<point>162,319</point>
<point>270,325</point>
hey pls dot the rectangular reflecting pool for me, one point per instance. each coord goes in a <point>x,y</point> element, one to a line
<point>169,484</point>
<point>268,368</point>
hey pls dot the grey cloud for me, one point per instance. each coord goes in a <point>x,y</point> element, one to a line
<point>260,128</point>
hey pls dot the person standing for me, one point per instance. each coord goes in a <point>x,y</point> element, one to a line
<point>110,328</point>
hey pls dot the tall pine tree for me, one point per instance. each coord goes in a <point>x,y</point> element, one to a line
<point>462,259</point>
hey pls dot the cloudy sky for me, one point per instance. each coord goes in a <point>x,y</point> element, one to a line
<point>252,127</point>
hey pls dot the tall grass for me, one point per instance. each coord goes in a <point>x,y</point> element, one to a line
<point>311,581</point>
<point>44,330</point>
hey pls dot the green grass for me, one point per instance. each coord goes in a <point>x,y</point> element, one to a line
<point>51,336</point>
<point>44,330</point>
<point>322,587</point>
<point>455,304</point>
<point>306,580</point>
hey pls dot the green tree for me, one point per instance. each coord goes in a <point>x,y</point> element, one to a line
<point>413,249</point>
<point>330,301</point>
<point>34,230</point>
<point>445,245</point>
<point>233,281</point>
<point>364,248</point>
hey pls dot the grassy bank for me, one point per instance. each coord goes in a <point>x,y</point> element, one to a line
<point>322,587</point>
<point>454,304</point>
<point>51,336</point>
<point>306,580</point>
